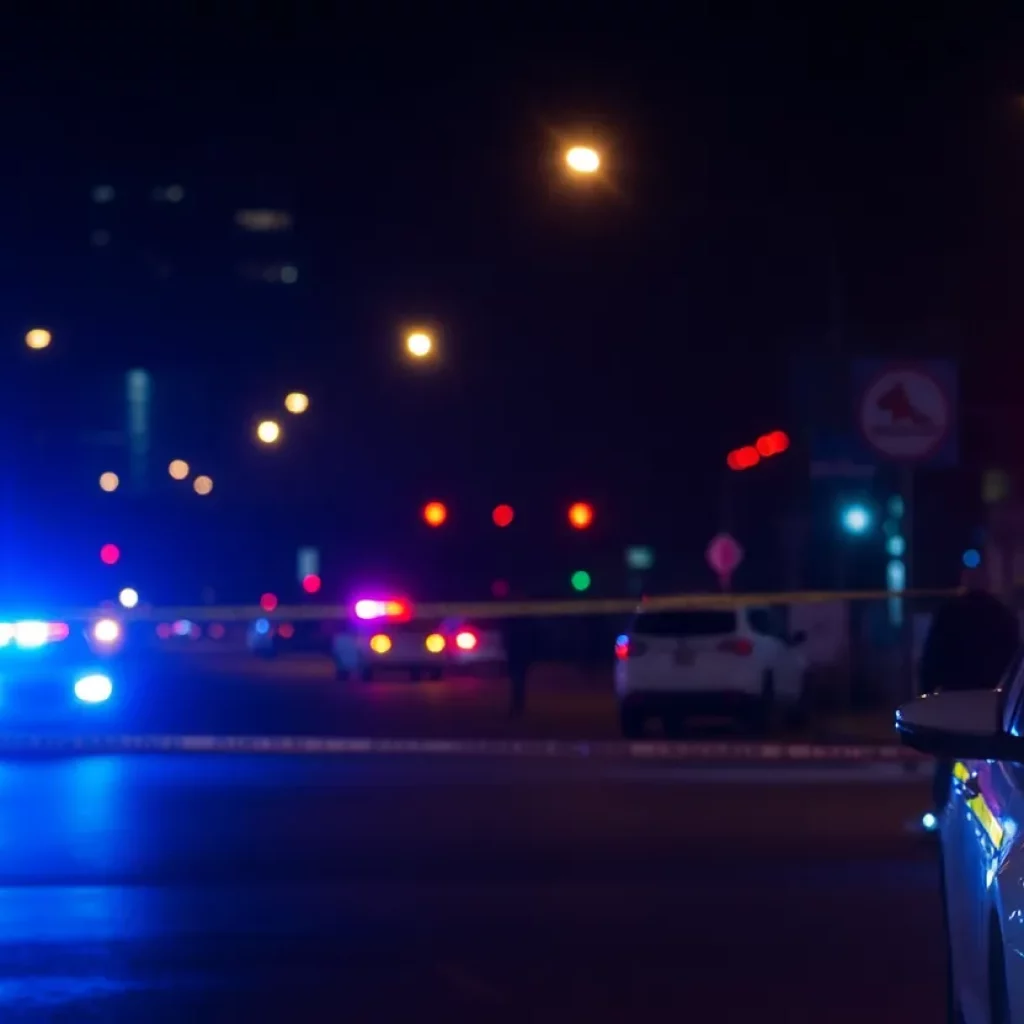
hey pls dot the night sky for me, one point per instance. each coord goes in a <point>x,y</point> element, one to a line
<point>774,186</point>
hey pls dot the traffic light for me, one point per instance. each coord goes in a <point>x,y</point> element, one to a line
<point>767,445</point>
<point>434,513</point>
<point>503,515</point>
<point>109,554</point>
<point>581,515</point>
<point>580,581</point>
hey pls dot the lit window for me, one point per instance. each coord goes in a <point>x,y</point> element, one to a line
<point>100,238</point>
<point>263,220</point>
<point>103,194</point>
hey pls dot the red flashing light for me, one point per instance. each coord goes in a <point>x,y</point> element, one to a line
<point>311,583</point>
<point>109,554</point>
<point>503,515</point>
<point>434,513</point>
<point>581,515</point>
<point>268,602</point>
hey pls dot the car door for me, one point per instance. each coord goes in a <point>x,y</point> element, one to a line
<point>1003,790</point>
<point>976,831</point>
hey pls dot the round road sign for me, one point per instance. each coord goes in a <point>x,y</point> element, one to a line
<point>905,414</point>
<point>724,554</point>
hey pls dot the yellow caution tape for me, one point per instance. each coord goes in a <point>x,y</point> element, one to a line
<point>496,609</point>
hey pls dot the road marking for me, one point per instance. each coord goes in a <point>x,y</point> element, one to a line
<point>780,754</point>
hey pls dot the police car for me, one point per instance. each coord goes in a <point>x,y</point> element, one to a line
<point>49,667</point>
<point>383,635</point>
<point>981,835</point>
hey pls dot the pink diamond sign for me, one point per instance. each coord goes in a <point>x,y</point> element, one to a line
<point>724,555</point>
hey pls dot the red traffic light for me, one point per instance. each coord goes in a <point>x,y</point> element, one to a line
<point>434,513</point>
<point>109,554</point>
<point>581,515</point>
<point>268,602</point>
<point>311,583</point>
<point>503,515</point>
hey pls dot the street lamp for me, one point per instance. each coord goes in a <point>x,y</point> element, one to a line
<point>268,431</point>
<point>38,338</point>
<point>178,469</point>
<point>419,344</point>
<point>296,402</point>
<point>583,160</point>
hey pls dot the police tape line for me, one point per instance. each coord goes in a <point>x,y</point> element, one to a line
<point>711,752</point>
<point>437,611</point>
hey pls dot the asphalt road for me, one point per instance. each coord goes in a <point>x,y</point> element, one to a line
<point>391,888</point>
<point>238,694</point>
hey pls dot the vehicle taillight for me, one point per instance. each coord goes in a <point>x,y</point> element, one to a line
<point>622,648</point>
<point>737,645</point>
<point>465,640</point>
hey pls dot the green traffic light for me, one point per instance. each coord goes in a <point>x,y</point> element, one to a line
<point>580,580</point>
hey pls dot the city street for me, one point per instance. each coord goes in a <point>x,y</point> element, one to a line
<point>238,694</point>
<point>203,888</point>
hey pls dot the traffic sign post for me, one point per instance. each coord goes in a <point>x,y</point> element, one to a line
<point>907,415</point>
<point>724,555</point>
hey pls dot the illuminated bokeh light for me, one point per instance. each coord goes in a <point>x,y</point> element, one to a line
<point>583,159</point>
<point>202,485</point>
<point>434,643</point>
<point>109,482</point>
<point>38,338</point>
<point>296,402</point>
<point>268,602</point>
<point>311,583</point>
<point>268,431</point>
<point>380,644</point>
<point>580,580</point>
<point>503,515</point>
<point>129,597</point>
<point>434,513</point>
<point>419,344</point>
<point>581,515</point>
<point>109,554</point>
<point>178,469</point>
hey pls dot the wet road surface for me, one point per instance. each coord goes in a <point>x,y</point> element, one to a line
<point>381,888</point>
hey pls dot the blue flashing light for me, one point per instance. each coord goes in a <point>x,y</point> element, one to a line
<point>972,558</point>
<point>94,689</point>
<point>262,627</point>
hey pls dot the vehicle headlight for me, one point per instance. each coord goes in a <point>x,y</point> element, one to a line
<point>106,631</point>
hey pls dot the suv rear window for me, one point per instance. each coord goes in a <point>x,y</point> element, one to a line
<point>685,624</point>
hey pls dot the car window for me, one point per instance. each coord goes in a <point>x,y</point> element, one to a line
<point>1013,695</point>
<point>695,623</point>
<point>768,622</point>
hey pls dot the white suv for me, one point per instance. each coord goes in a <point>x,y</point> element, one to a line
<point>737,663</point>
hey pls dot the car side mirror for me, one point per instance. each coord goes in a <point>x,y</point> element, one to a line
<point>958,725</point>
<point>798,638</point>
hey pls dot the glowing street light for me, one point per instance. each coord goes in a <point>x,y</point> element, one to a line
<point>583,160</point>
<point>202,485</point>
<point>296,403</point>
<point>38,338</point>
<point>109,482</point>
<point>268,432</point>
<point>178,469</point>
<point>419,344</point>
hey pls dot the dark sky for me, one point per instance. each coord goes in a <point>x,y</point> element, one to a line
<point>610,342</point>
